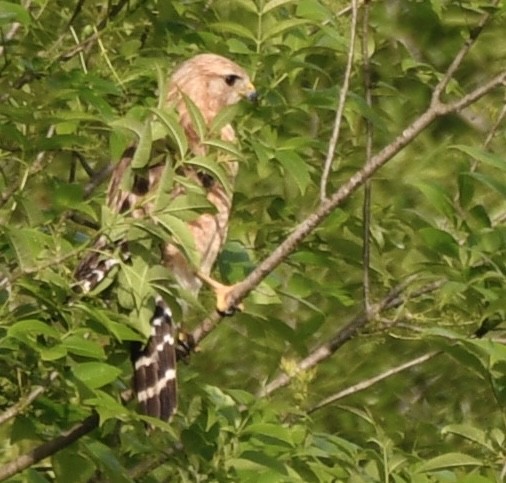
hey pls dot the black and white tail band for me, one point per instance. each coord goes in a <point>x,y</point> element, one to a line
<point>155,366</point>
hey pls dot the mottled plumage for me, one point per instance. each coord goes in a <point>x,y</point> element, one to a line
<point>211,82</point>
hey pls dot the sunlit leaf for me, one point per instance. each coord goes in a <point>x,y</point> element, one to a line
<point>197,119</point>
<point>79,345</point>
<point>11,12</point>
<point>469,432</point>
<point>96,374</point>
<point>215,169</point>
<point>143,149</point>
<point>294,168</point>
<point>181,233</point>
<point>483,156</point>
<point>313,10</point>
<point>449,460</point>
<point>283,26</point>
<point>233,28</point>
<point>173,125</point>
<point>32,327</point>
<point>440,241</point>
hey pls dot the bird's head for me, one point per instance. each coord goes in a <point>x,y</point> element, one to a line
<point>211,82</point>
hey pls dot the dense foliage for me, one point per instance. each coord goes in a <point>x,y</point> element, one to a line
<point>80,81</point>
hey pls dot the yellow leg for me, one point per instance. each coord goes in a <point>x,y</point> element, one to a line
<point>222,293</point>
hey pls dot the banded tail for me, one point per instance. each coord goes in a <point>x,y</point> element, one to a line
<point>155,365</point>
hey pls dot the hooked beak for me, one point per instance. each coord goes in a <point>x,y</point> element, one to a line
<point>251,93</point>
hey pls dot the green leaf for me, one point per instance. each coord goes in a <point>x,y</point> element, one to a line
<point>11,12</point>
<point>69,196</point>
<point>484,156</point>
<point>466,190</point>
<point>198,122</point>
<point>182,235</point>
<point>273,431</point>
<point>215,169</point>
<point>218,397</point>
<point>236,46</point>
<point>284,25</point>
<point>107,461</point>
<point>295,168</point>
<point>437,196</point>
<point>32,327</point>
<point>440,241</point>
<point>143,149</point>
<point>28,244</point>
<point>496,351</point>
<point>128,124</point>
<point>161,79</point>
<point>33,476</point>
<point>490,182</point>
<point>272,4</point>
<point>248,5</point>
<point>176,132</point>
<point>260,459</point>
<point>164,194</point>
<point>134,279</point>
<point>223,118</point>
<point>96,374</point>
<point>313,10</point>
<point>69,465</point>
<point>471,433</point>
<point>52,353</point>
<point>448,460</point>
<point>107,407</point>
<point>188,203</point>
<point>80,346</point>
<point>233,28</point>
<point>225,146</point>
<point>121,331</point>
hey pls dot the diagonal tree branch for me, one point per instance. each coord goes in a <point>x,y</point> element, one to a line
<point>49,448</point>
<point>435,110</point>
<point>361,386</point>
<point>393,299</point>
<point>306,227</point>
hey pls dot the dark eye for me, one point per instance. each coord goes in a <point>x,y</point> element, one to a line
<point>231,79</point>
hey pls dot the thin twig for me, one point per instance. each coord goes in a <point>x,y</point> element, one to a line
<point>455,64</point>
<point>97,179</point>
<point>494,128</point>
<point>361,386</point>
<point>84,46</point>
<point>81,56</point>
<point>366,209</point>
<point>324,351</point>
<point>13,411</point>
<point>340,108</point>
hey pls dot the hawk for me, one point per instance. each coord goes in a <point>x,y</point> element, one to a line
<point>211,82</point>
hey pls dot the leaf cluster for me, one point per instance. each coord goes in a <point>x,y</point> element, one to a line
<point>82,81</point>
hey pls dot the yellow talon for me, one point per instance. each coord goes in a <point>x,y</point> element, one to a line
<point>222,292</point>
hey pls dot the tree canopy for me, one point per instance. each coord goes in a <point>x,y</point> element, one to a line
<point>367,241</point>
